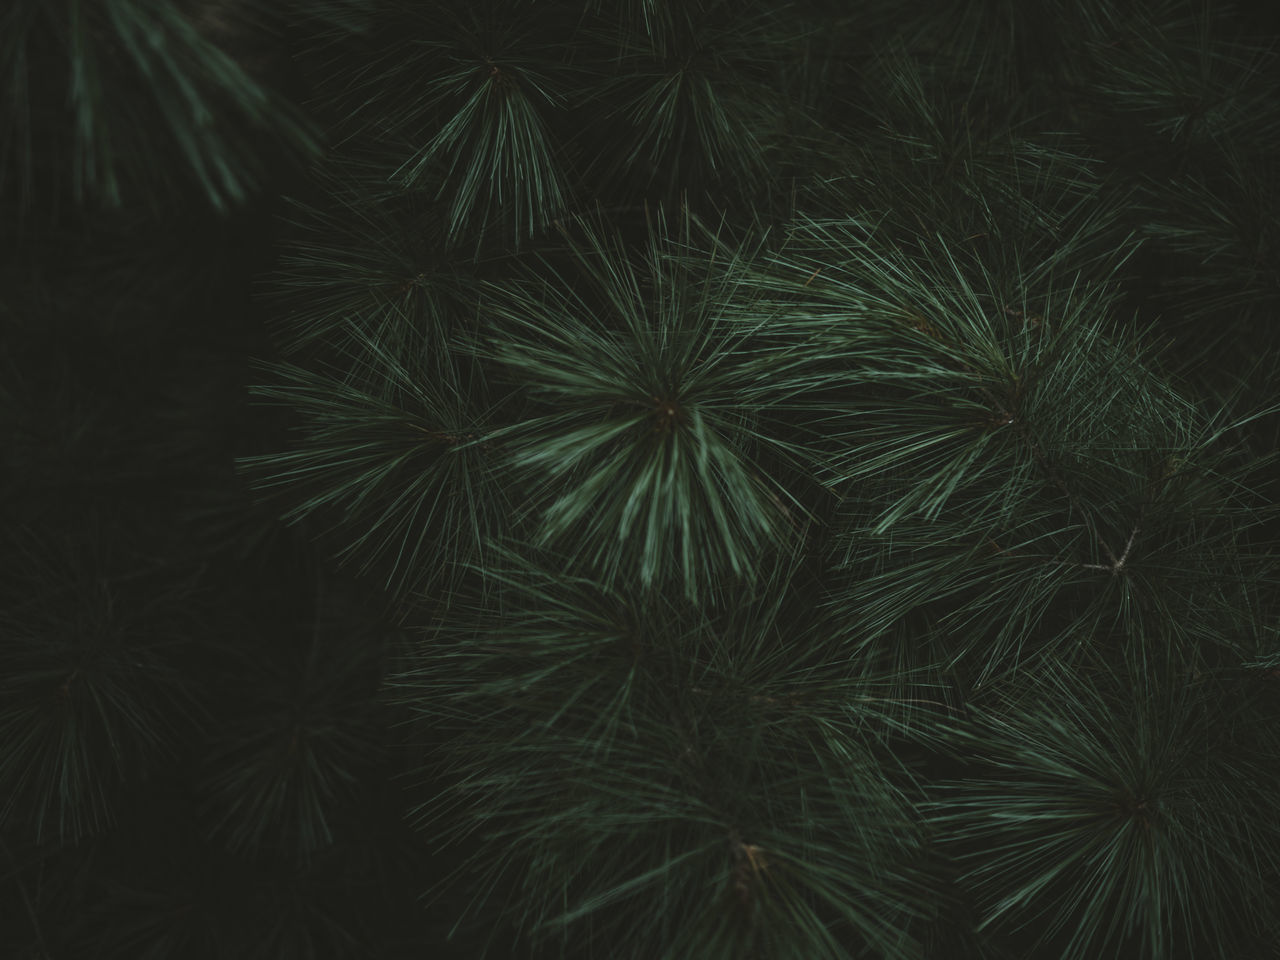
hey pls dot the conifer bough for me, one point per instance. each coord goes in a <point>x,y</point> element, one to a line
<point>862,585</point>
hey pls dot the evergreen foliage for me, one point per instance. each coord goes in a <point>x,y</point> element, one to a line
<point>639,478</point>
<point>1112,814</point>
<point>641,446</point>
<point>140,81</point>
<point>651,750</point>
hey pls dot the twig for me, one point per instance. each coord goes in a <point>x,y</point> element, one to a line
<point>1116,565</point>
<point>450,438</point>
<point>749,864</point>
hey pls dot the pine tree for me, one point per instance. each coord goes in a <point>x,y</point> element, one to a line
<point>666,479</point>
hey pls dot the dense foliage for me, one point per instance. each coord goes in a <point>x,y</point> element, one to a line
<point>638,479</point>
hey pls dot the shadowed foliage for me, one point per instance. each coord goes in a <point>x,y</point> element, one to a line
<point>655,479</point>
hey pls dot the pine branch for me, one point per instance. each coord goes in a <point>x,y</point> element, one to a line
<point>92,698</point>
<point>654,778</point>
<point>943,413</point>
<point>154,106</point>
<point>359,267</point>
<point>1102,798</point>
<point>392,465</point>
<point>474,92</point>
<point>684,105</point>
<point>667,708</point>
<point>644,447</point>
<point>1184,80</point>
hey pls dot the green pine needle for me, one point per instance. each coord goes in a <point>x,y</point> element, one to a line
<point>1111,820</point>
<point>400,473</point>
<point>643,444</point>
<point>153,106</point>
<point>657,779</point>
<point>477,93</point>
<point>90,694</point>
